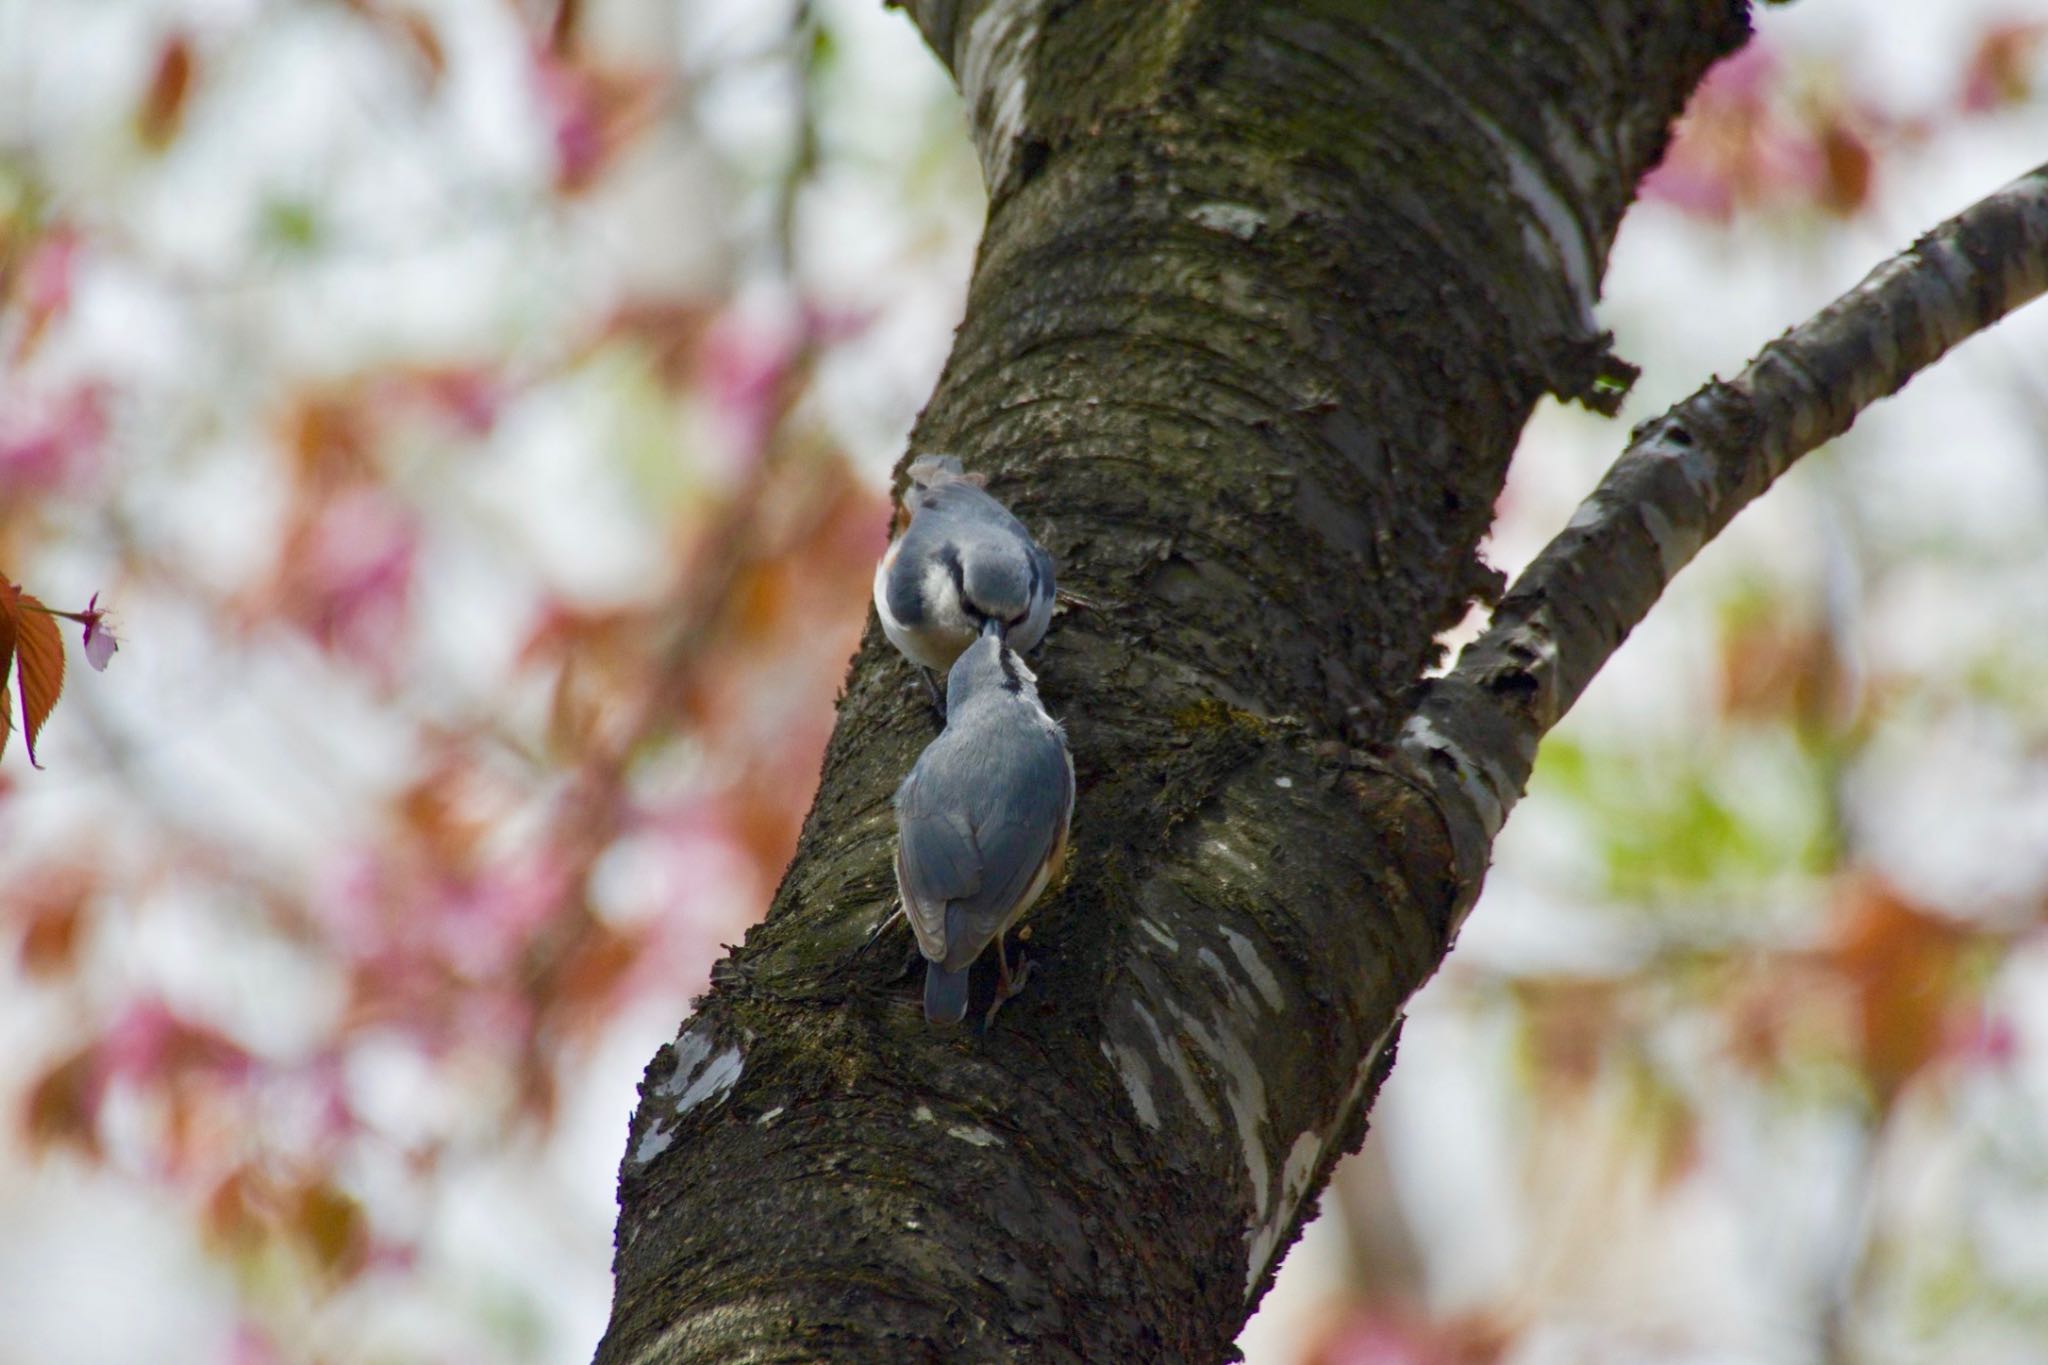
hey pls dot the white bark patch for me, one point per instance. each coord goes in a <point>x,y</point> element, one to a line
<point>1137,1079</point>
<point>1244,1092</point>
<point>1420,733</point>
<point>724,1322</point>
<point>1535,644</point>
<point>1553,232</point>
<point>992,67</point>
<point>1694,464</point>
<point>1284,783</point>
<point>1231,856</point>
<point>1581,162</point>
<point>652,1144</point>
<point>1295,1174</point>
<point>1255,969</point>
<point>691,1051</point>
<point>769,1117</point>
<point>974,1135</point>
<point>715,1082</point>
<point>1589,513</point>
<point>1241,221</point>
<point>1160,936</point>
<point>923,1114</point>
<point>1676,545</point>
<point>1234,995</point>
<point>699,1076</point>
<point>1262,1240</point>
<point>1169,1051</point>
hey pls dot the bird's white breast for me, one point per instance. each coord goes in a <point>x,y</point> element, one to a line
<point>946,629</point>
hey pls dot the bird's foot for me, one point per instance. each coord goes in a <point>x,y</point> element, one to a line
<point>1009,984</point>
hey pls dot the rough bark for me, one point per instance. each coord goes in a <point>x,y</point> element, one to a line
<point>1265,296</point>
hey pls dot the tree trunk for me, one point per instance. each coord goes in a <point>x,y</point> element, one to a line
<point>1265,296</point>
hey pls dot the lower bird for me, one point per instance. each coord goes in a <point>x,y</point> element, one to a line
<point>981,823</point>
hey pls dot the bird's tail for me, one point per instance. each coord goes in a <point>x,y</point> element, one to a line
<point>945,994</point>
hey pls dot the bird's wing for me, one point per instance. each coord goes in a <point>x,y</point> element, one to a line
<point>1041,558</point>
<point>1044,592</point>
<point>1018,827</point>
<point>937,860</point>
<point>899,588</point>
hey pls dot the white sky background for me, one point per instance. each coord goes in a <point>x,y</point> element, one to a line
<point>449,245</point>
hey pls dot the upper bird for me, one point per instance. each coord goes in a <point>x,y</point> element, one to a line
<point>981,823</point>
<point>963,563</point>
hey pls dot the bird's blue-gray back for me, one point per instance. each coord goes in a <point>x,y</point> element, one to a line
<point>977,839</point>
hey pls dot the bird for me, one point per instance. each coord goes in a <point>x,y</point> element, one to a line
<point>981,823</point>
<point>963,563</point>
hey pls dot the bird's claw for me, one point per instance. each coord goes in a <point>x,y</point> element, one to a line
<point>1009,985</point>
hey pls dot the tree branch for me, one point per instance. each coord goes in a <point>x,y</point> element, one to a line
<point>1684,477</point>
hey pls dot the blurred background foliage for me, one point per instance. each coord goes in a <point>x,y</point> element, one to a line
<point>478,415</point>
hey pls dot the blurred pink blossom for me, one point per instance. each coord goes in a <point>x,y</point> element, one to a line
<point>355,577</point>
<point>568,100</point>
<point>437,950</point>
<point>1986,1039</point>
<point>590,112</point>
<point>1737,143</point>
<point>483,923</point>
<point>150,1038</point>
<point>831,325</point>
<point>49,444</point>
<point>1370,1338</point>
<point>470,396</point>
<point>745,365</point>
<point>46,285</point>
<point>251,1345</point>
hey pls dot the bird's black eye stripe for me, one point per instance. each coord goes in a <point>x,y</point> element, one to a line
<point>949,555</point>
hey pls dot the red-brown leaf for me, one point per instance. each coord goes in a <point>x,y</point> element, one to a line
<point>9,596</point>
<point>1903,964</point>
<point>52,922</point>
<point>1849,167</point>
<point>163,105</point>
<point>234,1214</point>
<point>2000,72</point>
<point>62,1106</point>
<point>418,31</point>
<point>332,1226</point>
<point>39,657</point>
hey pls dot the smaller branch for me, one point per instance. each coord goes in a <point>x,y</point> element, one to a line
<point>1684,477</point>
